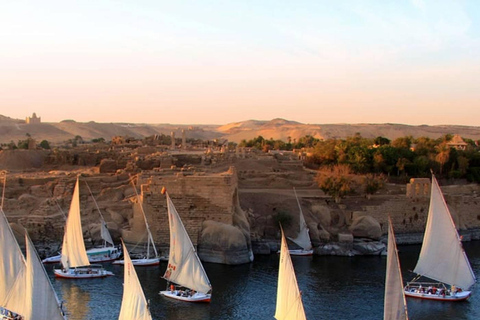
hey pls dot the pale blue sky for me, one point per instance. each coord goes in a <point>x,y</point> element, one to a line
<point>414,62</point>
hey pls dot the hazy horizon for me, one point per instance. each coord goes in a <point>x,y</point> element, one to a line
<point>242,121</point>
<point>315,62</point>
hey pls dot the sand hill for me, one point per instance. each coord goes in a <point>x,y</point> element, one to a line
<point>14,130</point>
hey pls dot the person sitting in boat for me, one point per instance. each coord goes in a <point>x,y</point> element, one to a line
<point>434,290</point>
<point>172,288</point>
<point>453,291</point>
<point>442,292</point>
<point>429,290</point>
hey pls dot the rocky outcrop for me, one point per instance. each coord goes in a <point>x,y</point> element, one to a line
<point>335,249</point>
<point>368,247</point>
<point>322,213</point>
<point>366,227</point>
<point>350,249</point>
<point>345,237</point>
<point>223,243</point>
<point>108,166</point>
<point>265,246</point>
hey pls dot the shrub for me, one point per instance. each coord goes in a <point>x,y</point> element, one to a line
<point>283,218</point>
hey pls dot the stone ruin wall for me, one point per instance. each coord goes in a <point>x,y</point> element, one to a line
<point>409,212</point>
<point>196,197</point>
<point>37,203</point>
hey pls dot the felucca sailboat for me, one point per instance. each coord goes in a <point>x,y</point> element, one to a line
<point>442,257</point>
<point>12,267</point>
<point>107,252</point>
<point>134,304</point>
<point>25,289</point>
<point>184,267</point>
<point>303,238</point>
<point>289,298</point>
<point>74,259</point>
<point>12,263</point>
<point>395,306</point>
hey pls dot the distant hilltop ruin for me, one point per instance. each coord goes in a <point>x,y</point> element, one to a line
<point>33,119</point>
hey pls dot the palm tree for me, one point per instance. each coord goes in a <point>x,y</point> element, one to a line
<point>443,155</point>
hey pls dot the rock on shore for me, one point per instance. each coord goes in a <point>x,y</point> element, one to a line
<point>222,243</point>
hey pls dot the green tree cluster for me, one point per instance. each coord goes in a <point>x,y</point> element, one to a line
<point>402,157</point>
<point>336,181</point>
<point>265,145</point>
<point>398,159</point>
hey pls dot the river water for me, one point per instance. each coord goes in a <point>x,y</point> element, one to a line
<point>332,288</point>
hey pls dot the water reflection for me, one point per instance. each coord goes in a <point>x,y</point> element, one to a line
<point>332,288</point>
<point>76,301</point>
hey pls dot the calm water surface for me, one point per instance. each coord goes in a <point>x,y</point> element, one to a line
<point>333,288</point>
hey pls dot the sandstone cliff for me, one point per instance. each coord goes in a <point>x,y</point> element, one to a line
<point>228,204</point>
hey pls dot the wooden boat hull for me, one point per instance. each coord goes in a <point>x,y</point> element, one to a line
<point>82,273</point>
<point>459,296</point>
<point>6,314</point>
<point>54,259</point>
<point>140,262</point>
<point>300,252</point>
<point>197,297</point>
<point>95,255</point>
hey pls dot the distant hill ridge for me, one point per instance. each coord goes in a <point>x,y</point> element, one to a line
<point>15,129</point>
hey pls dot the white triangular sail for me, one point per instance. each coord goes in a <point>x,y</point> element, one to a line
<point>134,304</point>
<point>442,257</point>
<point>12,262</point>
<point>184,266</point>
<point>289,298</point>
<point>40,295</point>
<point>15,300</point>
<point>105,234</point>
<point>31,294</point>
<point>395,306</point>
<point>74,253</point>
<point>303,238</point>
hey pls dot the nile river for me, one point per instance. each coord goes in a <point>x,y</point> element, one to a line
<point>333,288</point>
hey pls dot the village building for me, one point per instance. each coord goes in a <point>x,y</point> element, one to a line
<point>457,143</point>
